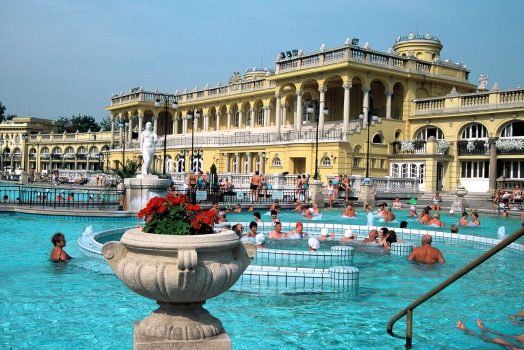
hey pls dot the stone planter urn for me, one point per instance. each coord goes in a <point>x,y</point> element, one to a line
<point>180,273</point>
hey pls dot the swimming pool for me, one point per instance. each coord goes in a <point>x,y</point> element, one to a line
<point>84,306</point>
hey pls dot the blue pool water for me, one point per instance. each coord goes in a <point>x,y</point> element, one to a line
<point>83,306</point>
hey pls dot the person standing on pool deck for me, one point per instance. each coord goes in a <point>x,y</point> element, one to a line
<point>58,253</point>
<point>426,254</point>
<point>256,181</point>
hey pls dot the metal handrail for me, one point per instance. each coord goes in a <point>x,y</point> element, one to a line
<point>409,310</point>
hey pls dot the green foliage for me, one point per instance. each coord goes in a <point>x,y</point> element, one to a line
<point>2,111</point>
<point>81,123</point>
<point>105,124</point>
<point>213,177</point>
<point>128,170</point>
<point>175,222</point>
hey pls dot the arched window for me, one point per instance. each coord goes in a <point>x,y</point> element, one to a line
<point>325,161</point>
<point>45,150</point>
<point>57,150</point>
<point>514,129</point>
<point>82,150</point>
<point>378,139</point>
<point>429,131</point>
<point>474,131</point>
<point>248,117</point>
<point>277,162</point>
<point>236,121</point>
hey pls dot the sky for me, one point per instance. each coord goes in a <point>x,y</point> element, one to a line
<point>67,57</point>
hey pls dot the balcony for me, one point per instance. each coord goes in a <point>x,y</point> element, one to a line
<point>472,102</point>
<point>510,145</point>
<point>416,147</point>
<point>473,147</point>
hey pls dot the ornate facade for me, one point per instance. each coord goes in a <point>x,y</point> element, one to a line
<point>426,120</point>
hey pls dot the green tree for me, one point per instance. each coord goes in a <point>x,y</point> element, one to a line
<point>105,124</point>
<point>2,111</point>
<point>82,123</point>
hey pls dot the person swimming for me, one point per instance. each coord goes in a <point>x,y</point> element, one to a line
<point>58,253</point>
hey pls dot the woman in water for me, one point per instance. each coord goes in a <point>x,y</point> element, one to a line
<point>58,253</point>
<point>475,219</point>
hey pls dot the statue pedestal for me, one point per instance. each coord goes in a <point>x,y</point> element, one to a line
<point>141,189</point>
<point>317,195</point>
<point>366,194</point>
<point>219,342</point>
<point>459,203</point>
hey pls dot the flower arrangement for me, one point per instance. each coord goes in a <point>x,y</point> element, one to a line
<point>174,215</point>
<point>442,146</point>
<point>510,144</point>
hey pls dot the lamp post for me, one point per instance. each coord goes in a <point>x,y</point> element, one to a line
<point>369,118</point>
<point>1,156</point>
<point>166,99</point>
<point>124,122</point>
<point>192,115</point>
<point>310,111</point>
<point>100,157</point>
<point>107,155</point>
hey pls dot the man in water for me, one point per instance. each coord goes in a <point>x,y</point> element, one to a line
<point>372,237</point>
<point>426,254</point>
<point>148,140</point>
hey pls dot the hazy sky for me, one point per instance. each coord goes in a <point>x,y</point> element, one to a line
<point>66,57</point>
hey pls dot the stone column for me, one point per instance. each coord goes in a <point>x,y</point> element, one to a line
<point>430,176</point>
<point>239,165</point>
<point>321,108</point>
<point>298,125</point>
<point>120,131</point>
<point>112,130</point>
<point>492,164</point>
<point>365,104</point>
<point>252,119</point>
<point>173,125</point>
<point>228,161</point>
<point>388,104</point>
<point>278,114</point>
<point>228,120</point>
<point>267,116</point>
<point>217,128</point>
<point>249,162</point>
<point>347,88</point>
<point>140,123</point>
<point>262,162</point>
<point>155,124</point>
<point>130,131</point>
<point>184,126</point>
<point>240,117</point>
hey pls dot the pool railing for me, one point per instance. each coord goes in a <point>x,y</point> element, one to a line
<point>408,311</point>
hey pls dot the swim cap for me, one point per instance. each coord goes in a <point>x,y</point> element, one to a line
<point>313,243</point>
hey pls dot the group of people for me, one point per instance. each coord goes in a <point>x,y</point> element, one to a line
<point>506,200</point>
<point>334,186</point>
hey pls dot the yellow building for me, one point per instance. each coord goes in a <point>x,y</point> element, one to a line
<point>426,120</point>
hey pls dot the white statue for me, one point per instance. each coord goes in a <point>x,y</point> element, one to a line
<point>148,140</point>
<point>483,82</point>
<point>169,165</point>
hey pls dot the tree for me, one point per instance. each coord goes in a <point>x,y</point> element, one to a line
<point>2,111</point>
<point>105,124</point>
<point>80,123</point>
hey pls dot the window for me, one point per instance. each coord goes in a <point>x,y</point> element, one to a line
<point>474,131</point>
<point>513,129</point>
<point>378,139</point>
<point>382,164</point>
<point>261,116</point>
<point>236,121</point>
<point>513,169</point>
<point>356,162</point>
<point>373,163</point>
<point>474,169</point>
<point>408,170</point>
<point>429,131</point>
<point>325,161</point>
<point>277,162</point>
<point>248,118</point>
